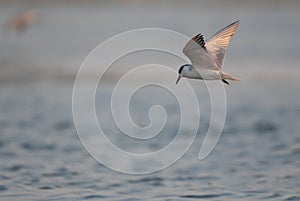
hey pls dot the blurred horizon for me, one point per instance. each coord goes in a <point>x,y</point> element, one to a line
<point>54,46</point>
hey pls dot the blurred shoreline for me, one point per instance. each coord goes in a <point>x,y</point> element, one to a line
<point>264,49</point>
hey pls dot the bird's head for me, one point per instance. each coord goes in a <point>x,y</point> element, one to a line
<point>182,71</point>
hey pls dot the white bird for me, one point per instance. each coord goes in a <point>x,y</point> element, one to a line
<point>207,58</point>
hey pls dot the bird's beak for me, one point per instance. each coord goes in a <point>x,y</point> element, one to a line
<point>179,77</point>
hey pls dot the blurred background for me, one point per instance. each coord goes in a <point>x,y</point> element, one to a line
<point>42,46</point>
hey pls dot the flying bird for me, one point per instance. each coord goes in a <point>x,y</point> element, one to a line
<point>207,58</point>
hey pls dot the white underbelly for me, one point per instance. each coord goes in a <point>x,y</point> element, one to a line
<point>209,74</point>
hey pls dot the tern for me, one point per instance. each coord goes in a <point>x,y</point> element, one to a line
<point>207,58</point>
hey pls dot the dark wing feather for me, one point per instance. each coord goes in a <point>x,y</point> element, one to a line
<point>200,40</point>
<point>196,51</point>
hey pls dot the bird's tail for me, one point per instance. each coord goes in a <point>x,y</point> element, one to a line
<point>229,77</point>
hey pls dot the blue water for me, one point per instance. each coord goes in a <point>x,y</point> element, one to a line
<point>43,159</point>
<point>257,157</point>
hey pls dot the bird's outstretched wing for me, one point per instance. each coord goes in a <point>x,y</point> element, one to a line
<point>217,44</point>
<point>196,51</point>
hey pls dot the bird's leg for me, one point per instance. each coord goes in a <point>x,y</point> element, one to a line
<point>225,81</point>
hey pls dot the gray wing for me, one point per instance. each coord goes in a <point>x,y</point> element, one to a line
<point>196,51</point>
<point>217,44</point>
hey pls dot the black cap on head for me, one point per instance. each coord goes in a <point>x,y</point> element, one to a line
<point>180,69</point>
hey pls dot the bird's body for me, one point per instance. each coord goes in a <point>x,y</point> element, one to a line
<point>207,58</point>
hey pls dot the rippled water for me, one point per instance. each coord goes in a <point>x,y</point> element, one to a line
<point>257,157</point>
